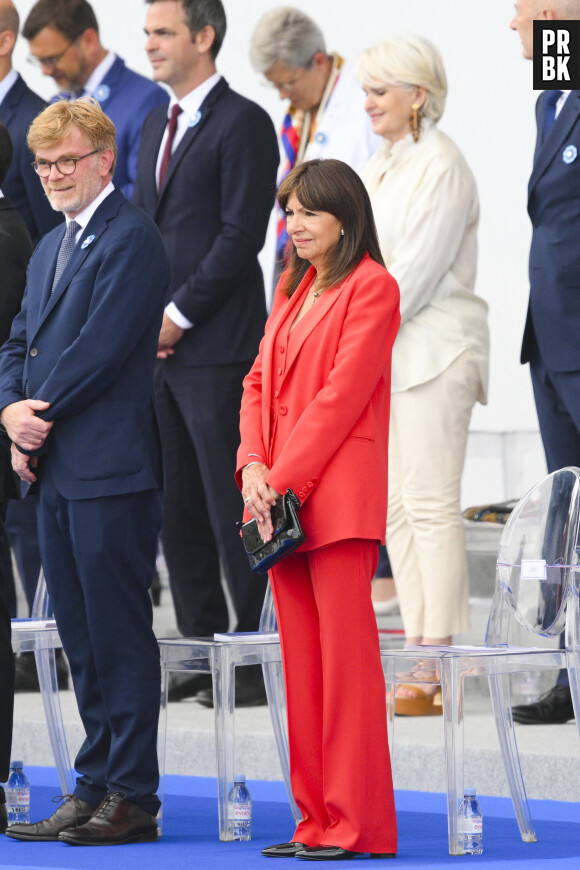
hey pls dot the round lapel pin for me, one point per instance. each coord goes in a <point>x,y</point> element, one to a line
<point>102,93</point>
<point>569,154</point>
<point>87,242</point>
<point>195,120</point>
<point>321,138</point>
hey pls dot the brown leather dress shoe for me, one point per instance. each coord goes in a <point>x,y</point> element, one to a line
<point>115,822</point>
<point>72,813</point>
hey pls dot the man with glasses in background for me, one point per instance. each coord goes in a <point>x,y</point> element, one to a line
<point>19,105</point>
<point>326,116</point>
<point>63,37</point>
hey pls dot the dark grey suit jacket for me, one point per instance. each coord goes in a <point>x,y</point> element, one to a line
<point>18,109</point>
<point>15,251</point>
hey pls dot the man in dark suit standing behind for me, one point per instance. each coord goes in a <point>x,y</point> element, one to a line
<point>207,175</point>
<point>15,251</point>
<point>18,107</point>
<point>76,401</point>
<point>550,343</point>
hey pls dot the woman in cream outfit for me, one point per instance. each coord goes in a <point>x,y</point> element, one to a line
<point>426,209</point>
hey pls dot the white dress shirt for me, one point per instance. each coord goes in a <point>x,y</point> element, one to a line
<point>426,210</point>
<point>86,214</point>
<point>99,73</point>
<point>7,82</point>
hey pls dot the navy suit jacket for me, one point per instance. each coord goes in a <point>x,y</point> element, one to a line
<point>213,213</point>
<point>18,109</point>
<point>90,348</point>
<point>127,98</point>
<point>554,207</point>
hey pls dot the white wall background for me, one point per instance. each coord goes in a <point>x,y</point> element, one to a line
<point>489,114</point>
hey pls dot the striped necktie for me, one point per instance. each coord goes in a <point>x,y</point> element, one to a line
<point>65,251</point>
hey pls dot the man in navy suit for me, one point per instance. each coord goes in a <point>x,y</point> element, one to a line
<point>207,175</point>
<point>63,37</point>
<point>550,342</point>
<point>18,108</point>
<point>77,403</point>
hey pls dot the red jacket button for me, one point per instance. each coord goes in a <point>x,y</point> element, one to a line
<point>283,410</point>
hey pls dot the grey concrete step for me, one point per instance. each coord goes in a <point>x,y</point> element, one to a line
<point>550,755</point>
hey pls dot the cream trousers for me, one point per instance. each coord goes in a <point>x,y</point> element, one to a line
<point>425,538</point>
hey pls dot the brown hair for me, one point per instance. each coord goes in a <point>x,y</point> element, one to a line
<point>205,13</point>
<point>332,186</point>
<point>69,17</point>
<point>57,120</point>
<point>9,19</point>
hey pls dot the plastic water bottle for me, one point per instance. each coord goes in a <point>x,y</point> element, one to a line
<point>240,809</point>
<point>17,795</point>
<point>470,824</point>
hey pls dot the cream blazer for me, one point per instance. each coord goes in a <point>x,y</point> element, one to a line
<point>426,209</point>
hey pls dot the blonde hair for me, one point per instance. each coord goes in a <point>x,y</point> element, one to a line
<point>407,62</point>
<point>57,120</point>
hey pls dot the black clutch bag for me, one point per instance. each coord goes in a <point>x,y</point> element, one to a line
<point>287,536</point>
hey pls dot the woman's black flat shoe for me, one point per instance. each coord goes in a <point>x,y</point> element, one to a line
<point>283,850</point>
<point>336,853</point>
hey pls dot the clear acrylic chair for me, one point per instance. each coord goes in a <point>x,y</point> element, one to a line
<point>220,657</point>
<point>39,634</point>
<point>537,582</point>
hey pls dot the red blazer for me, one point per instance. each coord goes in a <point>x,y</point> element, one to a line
<point>316,404</point>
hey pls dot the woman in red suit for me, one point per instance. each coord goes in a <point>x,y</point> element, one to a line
<point>315,419</point>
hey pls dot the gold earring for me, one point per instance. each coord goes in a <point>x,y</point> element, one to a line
<point>415,121</point>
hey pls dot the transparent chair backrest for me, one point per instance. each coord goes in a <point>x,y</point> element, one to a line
<point>41,607</point>
<point>268,615</point>
<point>537,558</point>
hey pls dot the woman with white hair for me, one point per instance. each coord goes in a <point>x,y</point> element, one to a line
<point>426,209</point>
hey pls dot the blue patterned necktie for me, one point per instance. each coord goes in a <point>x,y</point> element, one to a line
<point>66,249</point>
<point>550,112</point>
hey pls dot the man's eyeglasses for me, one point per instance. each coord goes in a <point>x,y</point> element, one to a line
<point>49,62</point>
<point>64,165</point>
<point>286,87</point>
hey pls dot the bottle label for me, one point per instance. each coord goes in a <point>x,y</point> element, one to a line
<point>18,798</point>
<point>241,811</point>
<point>470,826</point>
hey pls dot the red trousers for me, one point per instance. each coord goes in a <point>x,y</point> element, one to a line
<point>335,688</point>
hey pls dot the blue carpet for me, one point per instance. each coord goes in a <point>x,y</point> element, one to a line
<point>190,840</point>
